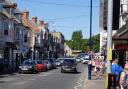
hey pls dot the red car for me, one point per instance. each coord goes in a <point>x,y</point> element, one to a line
<point>41,66</point>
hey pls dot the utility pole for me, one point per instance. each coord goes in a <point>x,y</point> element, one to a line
<point>91,26</point>
<point>89,65</point>
<point>109,35</point>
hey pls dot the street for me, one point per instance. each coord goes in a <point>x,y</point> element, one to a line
<point>52,79</point>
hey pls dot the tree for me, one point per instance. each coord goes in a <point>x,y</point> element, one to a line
<point>77,40</point>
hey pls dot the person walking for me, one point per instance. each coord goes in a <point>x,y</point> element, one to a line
<point>125,78</point>
<point>117,70</point>
<point>122,76</point>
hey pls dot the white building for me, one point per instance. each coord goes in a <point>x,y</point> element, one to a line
<point>67,50</point>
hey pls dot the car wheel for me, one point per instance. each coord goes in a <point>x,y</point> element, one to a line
<point>19,72</point>
<point>62,71</point>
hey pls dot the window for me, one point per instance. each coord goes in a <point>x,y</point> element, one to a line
<point>1,7</point>
<point>6,28</point>
<point>25,38</point>
<point>17,33</point>
<point>11,11</point>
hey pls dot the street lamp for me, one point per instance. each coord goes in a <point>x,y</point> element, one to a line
<point>90,44</point>
<point>89,65</point>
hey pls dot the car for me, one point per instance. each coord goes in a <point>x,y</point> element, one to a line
<point>41,66</point>
<point>52,61</point>
<point>28,66</point>
<point>48,64</point>
<point>58,62</point>
<point>69,65</point>
<point>86,59</point>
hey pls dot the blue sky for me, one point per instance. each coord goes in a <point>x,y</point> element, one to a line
<point>64,16</point>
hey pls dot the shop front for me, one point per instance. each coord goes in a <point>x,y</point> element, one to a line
<point>120,41</point>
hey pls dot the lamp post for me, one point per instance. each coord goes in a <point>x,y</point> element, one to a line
<point>90,44</point>
<point>90,26</point>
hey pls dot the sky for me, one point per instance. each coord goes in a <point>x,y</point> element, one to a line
<point>64,16</point>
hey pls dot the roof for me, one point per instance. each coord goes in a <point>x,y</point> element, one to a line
<point>29,24</point>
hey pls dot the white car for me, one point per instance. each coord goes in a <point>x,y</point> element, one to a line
<point>85,59</point>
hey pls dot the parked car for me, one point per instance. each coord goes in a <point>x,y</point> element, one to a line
<point>58,62</point>
<point>28,66</point>
<point>41,66</point>
<point>69,65</point>
<point>48,64</point>
<point>53,63</point>
<point>86,59</point>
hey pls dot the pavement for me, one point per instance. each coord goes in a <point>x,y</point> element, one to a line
<point>95,82</point>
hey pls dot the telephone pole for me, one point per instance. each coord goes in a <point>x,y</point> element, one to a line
<point>109,35</point>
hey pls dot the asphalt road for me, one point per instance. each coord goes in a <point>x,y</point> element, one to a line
<point>52,79</point>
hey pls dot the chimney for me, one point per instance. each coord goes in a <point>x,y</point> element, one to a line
<point>34,19</point>
<point>26,14</point>
<point>14,5</point>
<point>41,22</point>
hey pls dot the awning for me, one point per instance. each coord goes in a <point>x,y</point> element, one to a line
<point>122,33</point>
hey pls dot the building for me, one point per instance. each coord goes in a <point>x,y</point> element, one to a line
<point>103,21</point>
<point>121,37</point>
<point>58,44</point>
<point>27,22</point>
<point>67,50</point>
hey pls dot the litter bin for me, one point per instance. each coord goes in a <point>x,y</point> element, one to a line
<point>111,81</point>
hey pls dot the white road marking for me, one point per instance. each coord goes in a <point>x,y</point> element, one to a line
<point>19,83</point>
<point>7,79</point>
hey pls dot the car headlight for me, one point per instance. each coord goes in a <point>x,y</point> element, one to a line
<point>20,67</point>
<point>73,67</point>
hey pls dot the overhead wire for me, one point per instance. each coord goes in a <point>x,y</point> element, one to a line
<point>72,17</point>
<point>57,4</point>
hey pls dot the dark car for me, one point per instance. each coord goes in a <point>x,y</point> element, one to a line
<point>58,62</point>
<point>48,64</point>
<point>28,66</point>
<point>69,65</point>
<point>52,62</point>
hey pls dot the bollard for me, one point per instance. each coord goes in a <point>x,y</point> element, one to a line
<point>89,71</point>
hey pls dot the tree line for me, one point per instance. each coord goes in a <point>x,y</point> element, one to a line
<point>77,42</point>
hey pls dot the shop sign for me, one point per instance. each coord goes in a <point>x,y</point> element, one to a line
<point>121,46</point>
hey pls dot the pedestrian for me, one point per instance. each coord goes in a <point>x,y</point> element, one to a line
<point>125,84</point>
<point>117,70</point>
<point>122,77</point>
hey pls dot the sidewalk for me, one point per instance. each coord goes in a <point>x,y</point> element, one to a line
<point>95,83</point>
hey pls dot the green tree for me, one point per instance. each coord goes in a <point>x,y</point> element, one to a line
<point>77,40</point>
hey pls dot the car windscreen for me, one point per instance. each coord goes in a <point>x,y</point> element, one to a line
<point>86,57</point>
<point>50,60</point>
<point>28,63</point>
<point>72,61</point>
<point>39,62</point>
